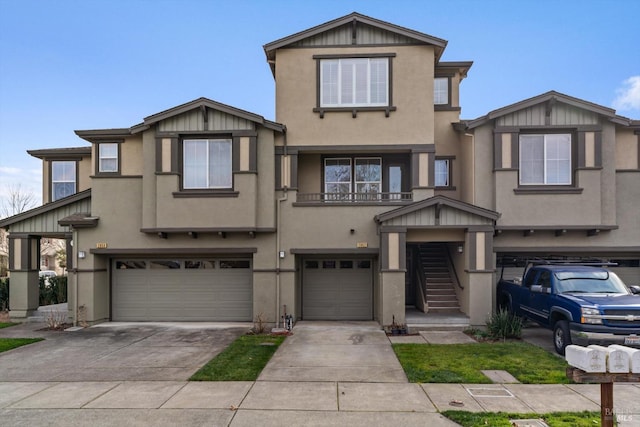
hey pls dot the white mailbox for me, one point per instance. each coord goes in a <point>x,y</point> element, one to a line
<point>617,360</point>
<point>634,357</point>
<point>587,359</point>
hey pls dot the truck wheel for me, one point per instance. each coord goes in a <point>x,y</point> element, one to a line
<point>561,336</point>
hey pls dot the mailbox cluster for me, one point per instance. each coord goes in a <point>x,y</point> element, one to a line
<point>615,359</point>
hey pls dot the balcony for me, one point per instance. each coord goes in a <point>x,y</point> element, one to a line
<point>355,198</point>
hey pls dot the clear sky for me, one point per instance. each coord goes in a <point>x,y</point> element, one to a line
<point>87,64</point>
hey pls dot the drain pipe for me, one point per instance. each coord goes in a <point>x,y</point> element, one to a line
<point>278,215</point>
<point>284,198</point>
<point>473,162</point>
<point>74,258</point>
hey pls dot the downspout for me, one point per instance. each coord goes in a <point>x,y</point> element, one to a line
<point>473,167</point>
<point>74,251</point>
<point>278,232</point>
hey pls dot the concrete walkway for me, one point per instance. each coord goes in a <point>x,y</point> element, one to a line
<point>276,403</point>
<point>324,374</point>
<point>335,351</point>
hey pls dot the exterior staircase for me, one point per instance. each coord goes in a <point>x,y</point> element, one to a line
<point>439,288</point>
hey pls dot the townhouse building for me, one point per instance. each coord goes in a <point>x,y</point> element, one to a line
<point>367,198</point>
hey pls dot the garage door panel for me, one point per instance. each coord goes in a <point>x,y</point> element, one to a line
<point>184,294</point>
<point>336,293</point>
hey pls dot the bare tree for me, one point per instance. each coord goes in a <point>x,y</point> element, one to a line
<point>16,201</point>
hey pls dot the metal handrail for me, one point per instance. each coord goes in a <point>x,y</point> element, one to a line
<point>452,269</point>
<point>423,298</point>
<point>354,197</point>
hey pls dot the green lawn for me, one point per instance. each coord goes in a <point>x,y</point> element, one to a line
<point>499,419</point>
<point>11,343</point>
<point>461,363</point>
<point>7,324</point>
<point>243,360</point>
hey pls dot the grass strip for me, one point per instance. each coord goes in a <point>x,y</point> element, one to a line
<point>7,344</point>
<point>499,419</point>
<point>462,363</point>
<point>243,360</point>
<point>7,324</point>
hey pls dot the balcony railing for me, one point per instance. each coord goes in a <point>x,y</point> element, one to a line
<point>354,197</point>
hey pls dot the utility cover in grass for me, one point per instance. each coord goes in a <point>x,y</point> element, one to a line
<point>463,363</point>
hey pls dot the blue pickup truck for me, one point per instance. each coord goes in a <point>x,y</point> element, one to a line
<point>582,304</point>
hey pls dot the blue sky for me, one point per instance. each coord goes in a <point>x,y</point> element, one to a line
<point>88,64</point>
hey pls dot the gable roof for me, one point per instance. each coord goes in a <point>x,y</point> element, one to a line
<point>47,207</point>
<point>200,103</point>
<point>354,19</point>
<point>551,96</point>
<point>208,103</point>
<point>438,201</point>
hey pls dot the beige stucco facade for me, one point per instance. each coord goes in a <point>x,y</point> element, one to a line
<point>279,214</point>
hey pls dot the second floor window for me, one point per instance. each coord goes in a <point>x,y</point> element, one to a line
<point>354,82</point>
<point>442,176</point>
<point>207,164</point>
<point>108,154</point>
<point>441,91</point>
<point>368,175</point>
<point>63,179</point>
<point>364,178</point>
<point>545,159</point>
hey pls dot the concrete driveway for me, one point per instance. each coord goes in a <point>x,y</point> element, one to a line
<point>116,351</point>
<point>335,351</point>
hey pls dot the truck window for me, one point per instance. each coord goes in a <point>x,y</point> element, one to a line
<point>544,279</point>
<point>530,278</point>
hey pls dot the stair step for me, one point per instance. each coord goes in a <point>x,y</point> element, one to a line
<point>443,310</point>
<point>442,298</point>
<point>440,289</point>
<point>440,292</point>
<point>444,303</point>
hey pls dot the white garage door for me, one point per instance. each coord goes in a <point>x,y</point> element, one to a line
<point>182,290</point>
<point>337,289</point>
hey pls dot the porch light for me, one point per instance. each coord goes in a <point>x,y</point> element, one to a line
<point>460,249</point>
<point>82,254</point>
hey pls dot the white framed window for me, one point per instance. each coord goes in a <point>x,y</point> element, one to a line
<point>442,173</point>
<point>108,157</point>
<point>441,91</point>
<point>63,179</point>
<point>207,164</point>
<point>337,178</point>
<point>353,82</point>
<point>345,175</point>
<point>545,159</point>
<point>368,175</point>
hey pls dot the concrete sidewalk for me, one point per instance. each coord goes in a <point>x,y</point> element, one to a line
<point>271,403</point>
<point>327,373</point>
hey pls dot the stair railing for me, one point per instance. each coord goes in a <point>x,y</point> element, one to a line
<point>424,304</point>
<point>452,270</point>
